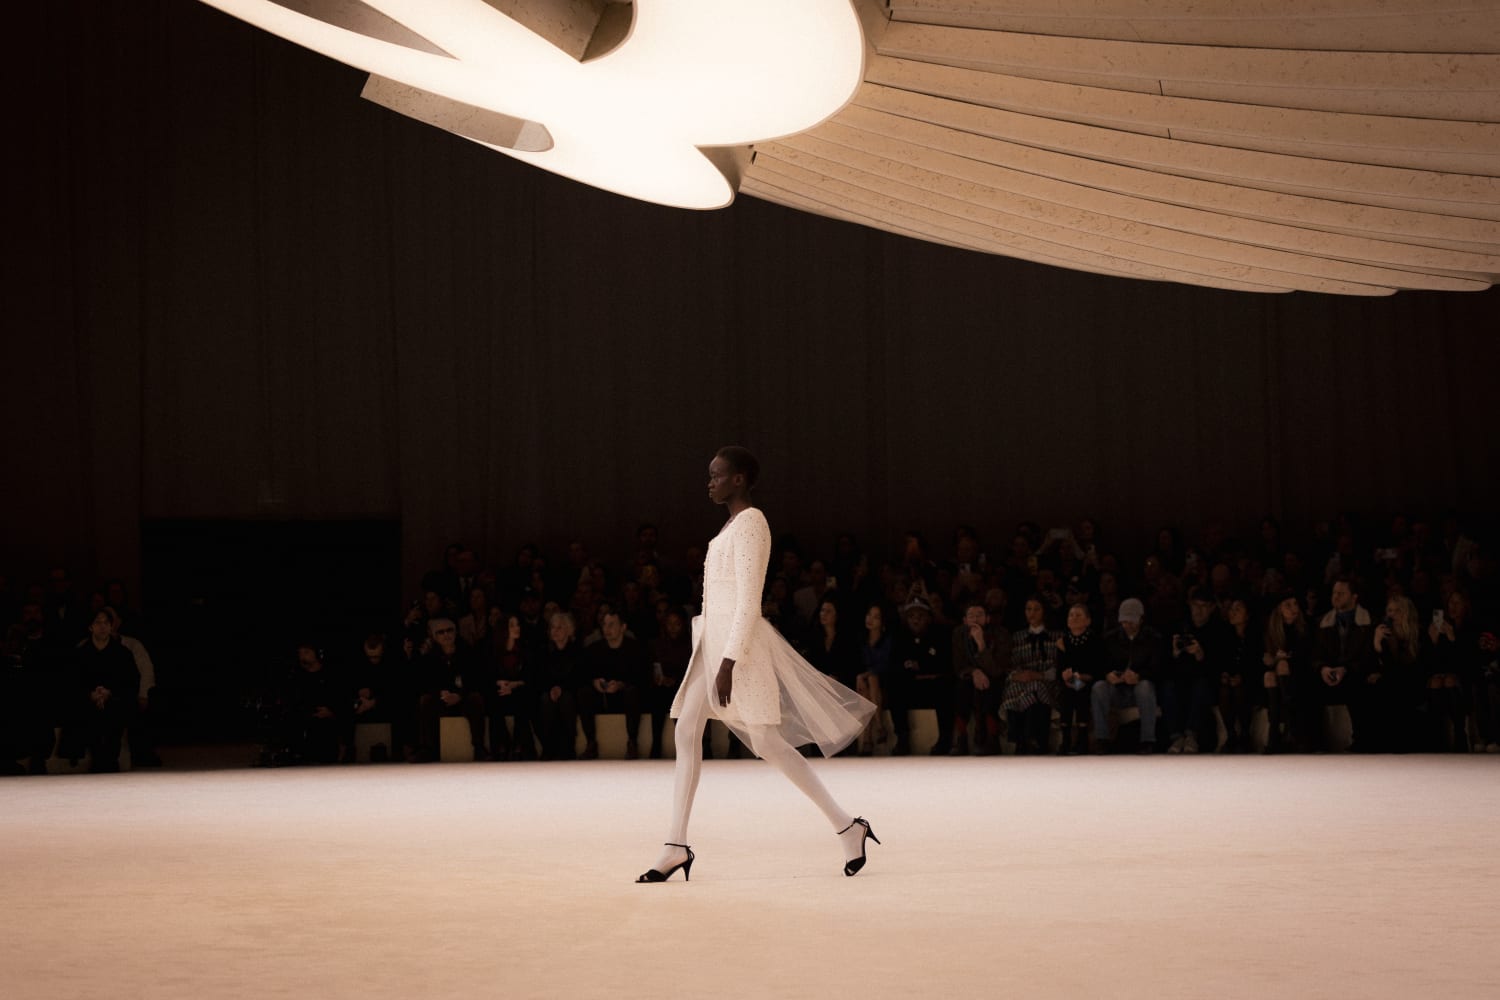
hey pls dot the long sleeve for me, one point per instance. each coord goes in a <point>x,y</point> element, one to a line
<point>752,552</point>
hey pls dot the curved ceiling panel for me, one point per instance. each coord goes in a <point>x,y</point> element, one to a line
<point>1343,146</point>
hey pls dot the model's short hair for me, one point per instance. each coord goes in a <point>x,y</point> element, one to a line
<point>741,461</point>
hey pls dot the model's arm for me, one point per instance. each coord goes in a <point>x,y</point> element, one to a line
<point>752,551</point>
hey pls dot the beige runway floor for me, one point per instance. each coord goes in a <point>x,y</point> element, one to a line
<point>1338,877</point>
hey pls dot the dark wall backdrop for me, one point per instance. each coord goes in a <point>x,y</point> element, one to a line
<point>236,290</point>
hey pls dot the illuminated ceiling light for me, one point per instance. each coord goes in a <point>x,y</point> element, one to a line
<point>648,99</point>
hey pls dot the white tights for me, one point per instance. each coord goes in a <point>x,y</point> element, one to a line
<point>767,743</point>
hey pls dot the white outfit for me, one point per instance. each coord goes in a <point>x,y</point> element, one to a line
<point>773,685</point>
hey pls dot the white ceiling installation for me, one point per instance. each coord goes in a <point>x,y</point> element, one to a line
<point>1342,146</point>
<point>1346,146</point>
<point>619,96</point>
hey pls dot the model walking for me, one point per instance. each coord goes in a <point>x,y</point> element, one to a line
<point>743,673</point>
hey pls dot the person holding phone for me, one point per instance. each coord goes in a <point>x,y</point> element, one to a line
<point>1394,685</point>
<point>1456,670</point>
<point>743,673</point>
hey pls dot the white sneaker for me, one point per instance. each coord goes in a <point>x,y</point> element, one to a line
<point>1190,744</point>
<point>1176,746</point>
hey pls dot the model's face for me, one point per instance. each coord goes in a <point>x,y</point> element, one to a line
<point>722,480</point>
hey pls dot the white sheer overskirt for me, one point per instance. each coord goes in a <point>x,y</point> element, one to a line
<point>774,685</point>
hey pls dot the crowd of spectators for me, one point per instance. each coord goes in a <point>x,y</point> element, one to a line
<point>74,678</point>
<point>1033,645</point>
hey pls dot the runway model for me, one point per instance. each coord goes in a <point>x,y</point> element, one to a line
<point>743,673</point>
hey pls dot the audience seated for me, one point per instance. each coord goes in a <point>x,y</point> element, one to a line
<point>614,675</point>
<point>108,684</point>
<point>1132,661</point>
<point>1080,662</point>
<point>493,646</point>
<point>874,674</point>
<point>453,683</point>
<point>1031,684</point>
<point>1342,647</point>
<point>1189,687</point>
<point>981,659</point>
<point>921,676</point>
<point>1241,681</point>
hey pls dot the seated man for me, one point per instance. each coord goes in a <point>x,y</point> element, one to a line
<point>453,684</point>
<point>369,690</point>
<point>670,653</point>
<point>615,673</point>
<point>1343,645</point>
<point>921,676</point>
<point>315,703</point>
<point>1132,659</point>
<point>108,683</point>
<point>143,722</point>
<point>34,667</point>
<point>1190,688</point>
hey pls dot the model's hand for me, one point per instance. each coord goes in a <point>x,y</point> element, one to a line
<point>724,684</point>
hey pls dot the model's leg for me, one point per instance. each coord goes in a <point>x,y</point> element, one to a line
<point>772,747</point>
<point>689,741</point>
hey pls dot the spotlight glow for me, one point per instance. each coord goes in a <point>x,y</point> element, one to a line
<point>690,74</point>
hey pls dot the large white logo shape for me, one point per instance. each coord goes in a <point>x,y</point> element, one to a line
<point>691,73</point>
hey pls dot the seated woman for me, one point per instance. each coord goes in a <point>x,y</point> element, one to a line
<point>1031,688</point>
<point>874,662</point>
<point>1388,695</point>
<point>1456,667</point>
<point>1292,709</point>
<point>511,696</point>
<point>1240,665</point>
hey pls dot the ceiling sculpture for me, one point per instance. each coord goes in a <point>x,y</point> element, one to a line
<point>1341,146</point>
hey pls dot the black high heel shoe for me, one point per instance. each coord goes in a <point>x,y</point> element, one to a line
<point>687,867</point>
<point>854,865</point>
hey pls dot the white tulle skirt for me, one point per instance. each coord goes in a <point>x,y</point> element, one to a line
<point>774,685</point>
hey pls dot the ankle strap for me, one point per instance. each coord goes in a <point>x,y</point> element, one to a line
<point>683,846</point>
<point>857,821</point>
